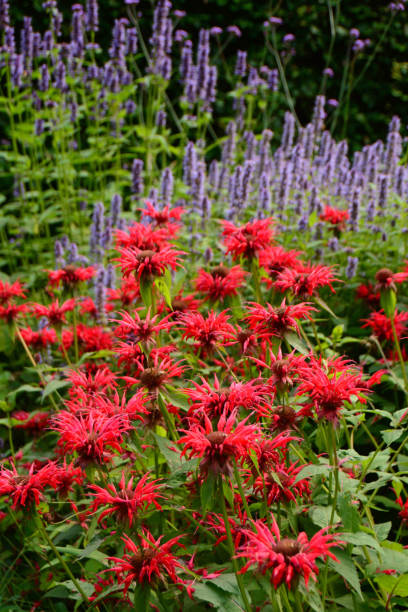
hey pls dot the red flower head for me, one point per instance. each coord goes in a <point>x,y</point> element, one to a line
<point>88,306</point>
<point>283,370</point>
<point>286,559</point>
<point>305,282</point>
<point>284,418</point>
<point>249,239</point>
<point>208,332</point>
<point>70,276</point>
<point>329,387</point>
<point>366,293</point>
<point>214,401</point>
<point>220,282</point>
<point>90,339</point>
<point>386,279</point>
<point>268,451</point>
<point>140,330</point>
<point>55,312</point>
<point>381,326</point>
<point>151,563</point>
<point>25,489</point>
<point>165,218</point>
<point>157,374</point>
<point>246,338</point>
<point>128,501</point>
<point>128,293</point>
<point>34,422</point>
<point>276,321</point>
<point>220,446</point>
<point>11,312</point>
<point>84,383</point>
<point>147,265</point>
<point>335,217</point>
<point>275,259</point>
<point>38,339</point>
<point>142,237</point>
<point>67,474</point>
<point>9,291</point>
<point>90,435</point>
<point>280,483</point>
<point>404,510</point>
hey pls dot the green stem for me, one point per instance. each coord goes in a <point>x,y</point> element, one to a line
<point>241,490</point>
<point>232,550</point>
<point>400,357</point>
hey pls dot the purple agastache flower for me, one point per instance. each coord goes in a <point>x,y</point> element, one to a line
<point>116,208</point>
<point>383,193</point>
<point>241,63</point>
<point>354,33</point>
<point>59,254</point>
<point>288,38</point>
<point>214,173</point>
<point>234,30</point>
<point>56,23</point>
<point>189,164</point>
<point>38,127</point>
<point>137,177</point>
<point>179,14</point>
<point>276,21</point>
<point>329,72</point>
<point>354,209</point>
<point>91,16</point>
<point>110,276</point>
<point>203,54</point>
<point>351,268</point>
<point>97,232</point>
<point>161,118</point>
<point>333,244</point>
<point>16,70</point>
<point>264,194</point>
<point>166,187</point>
<point>4,14</point>
<point>180,35</point>
<point>215,31</point>
<point>131,41</point>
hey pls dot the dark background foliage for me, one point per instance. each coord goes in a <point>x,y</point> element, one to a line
<point>378,94</point>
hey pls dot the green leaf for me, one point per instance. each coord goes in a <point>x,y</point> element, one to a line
<point>220,599</point>
<point>321,515</point>
<point>207,492</point>
<point>323,305</point>
<point>164,290</point>
<point>397,585</point>
<point>171,456</point>
<point>54,385</point>
<point>313,470</point>
<point>146,292</point>
<point>388,300</point>
<point>297,343</point>
<point>347,569</point>
<point>391,435</point>
<point>361,539</point>
<point>348,513</point>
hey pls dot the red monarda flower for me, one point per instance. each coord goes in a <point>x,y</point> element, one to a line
<point>207,332</point>
<point>152,562</point>
<point>160,371</point>
<point>143,237</point>
<point>306,281</point>
<point>11,312</point>
<point>268,451</point>
<point>275,321</point>
<point>90,339</point>
<point>54,312</point>
<point>25,489</point>
<point>9,291</point>
<point>381,326</point>
<point>286,559</point>
<point>214,401</point>
<point>38,339</point>
<point>220,282</point>
<point>246,338</point>
<point>249,239</point>
<point>367,293</point>
<point>282,369</point>
<point>404,510</point>
<point>218,447</point>
<point>128,293</point>
<point>127,501</point>
<point>70,276</point>
<point>87,383</point>
<point>147,265</point>
<point>165,218</point>
<point>328,388</point>
<point>386,279</point>
<point>34,422</point>
<point>275,259</point>
<point>138,329</point>
<point>280,483</point>
<point>67,474</point>
<point>335,217</point>
<point>91,435</point>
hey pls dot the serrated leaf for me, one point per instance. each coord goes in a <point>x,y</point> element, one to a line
<point>348,513</point>
<point>312,470</point>
<point>397,585</point>
<point>361,539</point>
<point>146,292</point>
<point>391,435</point>
<point>320,302</point>
<point>297,343</point>
<point>164,290</point>
<point>347,569</point>
<point>54,385</point>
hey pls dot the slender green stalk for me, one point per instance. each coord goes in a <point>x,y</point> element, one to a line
<point>241,490</point>
<point>398,349</point>
<point>232,550</point>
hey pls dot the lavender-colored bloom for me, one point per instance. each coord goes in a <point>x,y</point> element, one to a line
<point>288,133</point>
<point>275,20</point>
<point>59,76</point>
<point>137,177</point>
<point>351,268</point>
<point>329,72</point>
<point>166,188</point>
<point>161,119</point>
<point>77,30</point>
<point>215,31</point>
<point>180,35</point>
<point>27,43</point>
<point>110,277</point>
<point>288,38</point>
<point>130,107</point>
<point>44,81</point>
<point>264,151</point>
<point>354,33</point>
<point>233,29</point>
<point>319,115</point>
<point>97,231</point>
<point>213,173</point>
<point>107,234</point>
<point>354,210</point>
<point>118,45</point>
<point>38,127</point>
<point>131,41</point>
<point>273,80</point>
<point>116,208</point>
<point>100,295</point>
<point>303,222</point>
<point>208,255</point>
<point>4,13</point>
<point>59,254</point>
<point>189,164</point>
<point>56,24</point>
<point>186,62</point>
<point>241,63</point>
<point>333,244</point>
<point>91,17</point>
<point>383,193</point>
<point>203,54</point>
<point>264,192</point>
<point>16,69</point>
<point>179,14</point>
<point>333,102</point>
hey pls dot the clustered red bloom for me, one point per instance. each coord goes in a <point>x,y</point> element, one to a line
<point>165,217</point>
<point>285,559</point>
<point>38,339</point>
<point>220,283</point>
<point>305,281</point>
<point>148,264</point>
<point>24,490</point>
<point>249,239</point>
<point>206,332</point>
<point>329,386</point>
<point>10,291</point>
<point>150,563</point>
<point>91,435</point>
<point>70,276</point>
<point>55,312</point>
<point>34,422</point>
<point>275,259</point>
<point>404,510</point>
<point>381,325</point>
<point>367,294</point>
<point>11,312</point>
<point>141,330</point>
<point>126,502</point>
<point>270,321</point>
<point>218,447</point>
<point>280,485</point>
<point>335,217</point>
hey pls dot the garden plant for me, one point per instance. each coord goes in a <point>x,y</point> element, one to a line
<point>204,325</point>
